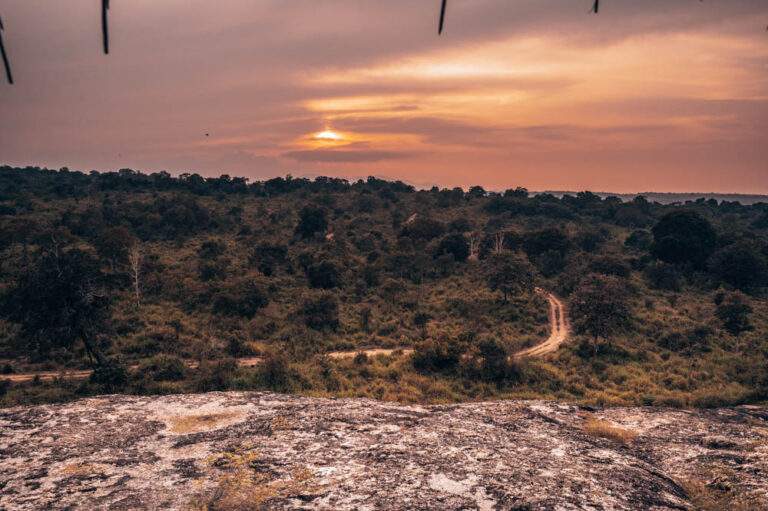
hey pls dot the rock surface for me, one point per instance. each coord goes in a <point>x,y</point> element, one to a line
<point>259,450</point>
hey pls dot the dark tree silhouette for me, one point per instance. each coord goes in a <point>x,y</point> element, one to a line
<point>311,220</point>
<point>683,237</point>
<point>454,244</point>
<point>59,302</point>
<point>741,265</point>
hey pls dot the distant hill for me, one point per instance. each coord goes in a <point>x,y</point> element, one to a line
<point>674,197</point>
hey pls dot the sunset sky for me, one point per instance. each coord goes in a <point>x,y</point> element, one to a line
<point>649,95</point>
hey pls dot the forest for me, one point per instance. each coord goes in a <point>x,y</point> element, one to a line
<point>124,282</point>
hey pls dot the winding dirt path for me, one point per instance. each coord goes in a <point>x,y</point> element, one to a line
<point>558,329</point>
<point>558,334</point>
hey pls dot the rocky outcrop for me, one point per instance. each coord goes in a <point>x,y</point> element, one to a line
<point>260,450</point>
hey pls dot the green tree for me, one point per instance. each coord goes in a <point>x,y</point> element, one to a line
<point>599,306</point>
<point>59,303</point>
<point>321,312</point>
<point>323,275</point>
<point>421,320</point>
<point>455,245</point>
<point>683,237</point>
<point>312,220</point>
<point>741,265</point>
<point>510,273</point>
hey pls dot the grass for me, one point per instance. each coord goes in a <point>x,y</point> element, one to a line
<point>243,488</point>
<point>708,498</point>
<point>196,423</point>
<point>605,429</point>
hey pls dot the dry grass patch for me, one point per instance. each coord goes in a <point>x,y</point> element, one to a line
<point>243,488</point>
<point>606,429</point>
<point>196,423</point>
<point>80,469</point>
<point>707,498</point>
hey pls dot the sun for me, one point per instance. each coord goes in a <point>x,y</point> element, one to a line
<point>329,136</point>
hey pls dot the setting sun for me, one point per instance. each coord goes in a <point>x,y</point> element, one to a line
<point>329,135</point>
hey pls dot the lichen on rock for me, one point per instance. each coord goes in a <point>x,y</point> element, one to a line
<point>243,450</point>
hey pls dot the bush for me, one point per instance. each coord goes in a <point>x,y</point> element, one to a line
<point>423,229</point>
<point>244,299</point>
<point>609,265</point>
<point>109,377</point>
<point>733,310</point>
<point>214,375</point>
<point>639,240</point>
<point>321,312</point>
<point>455,245</point>
<point>274,373</point>
<point>323,275</point>
<point>312,220</point>
<point>660,275</point>
<point>741,265</point>
<point>211,249</point>
<point>435,355</point>
<point>163,368</point>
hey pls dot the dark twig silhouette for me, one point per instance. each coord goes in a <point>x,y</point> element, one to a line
<point>105,25</point>
<point>6,62</point>
<point>442,17</point>
<point>596,7</point>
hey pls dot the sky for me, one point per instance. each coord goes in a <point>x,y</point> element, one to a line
<point>648,95</point>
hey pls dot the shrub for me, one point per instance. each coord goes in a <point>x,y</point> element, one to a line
<point>733,310</point>
<point>312,220</point>
<point>321,312</point>
<point>609,265</point>
<point>163,368</point>
<point>211,249</point>
<point>423,229</point>
<point>661,275</point>
<point>639,240</point>
<point>214,375</point>
<point>274,373</point>
<point>435,355</point>
<point>109,377</point>
<point>741,265</point>
<point>243,299</point>
<point>323,275</point>
<point>455,245</point>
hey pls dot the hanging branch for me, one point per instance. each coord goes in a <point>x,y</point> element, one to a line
<point>105,25</point>
<point>595,9</point>
<point>6,62</point>
<point>442,17</point>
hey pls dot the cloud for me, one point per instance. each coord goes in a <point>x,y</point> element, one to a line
<point>513,92</point>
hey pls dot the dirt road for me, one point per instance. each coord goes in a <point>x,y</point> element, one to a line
<point>558,335</point>
<point>558,328</point>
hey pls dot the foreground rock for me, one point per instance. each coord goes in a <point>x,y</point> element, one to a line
<point>259,450</point>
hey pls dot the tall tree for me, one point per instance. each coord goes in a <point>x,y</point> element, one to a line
<point>683,237</point>
<point>510,273</point>
<point>59,303</point>
<point>599,306</point>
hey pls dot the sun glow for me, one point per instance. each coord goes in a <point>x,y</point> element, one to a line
<point>329,136</point>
